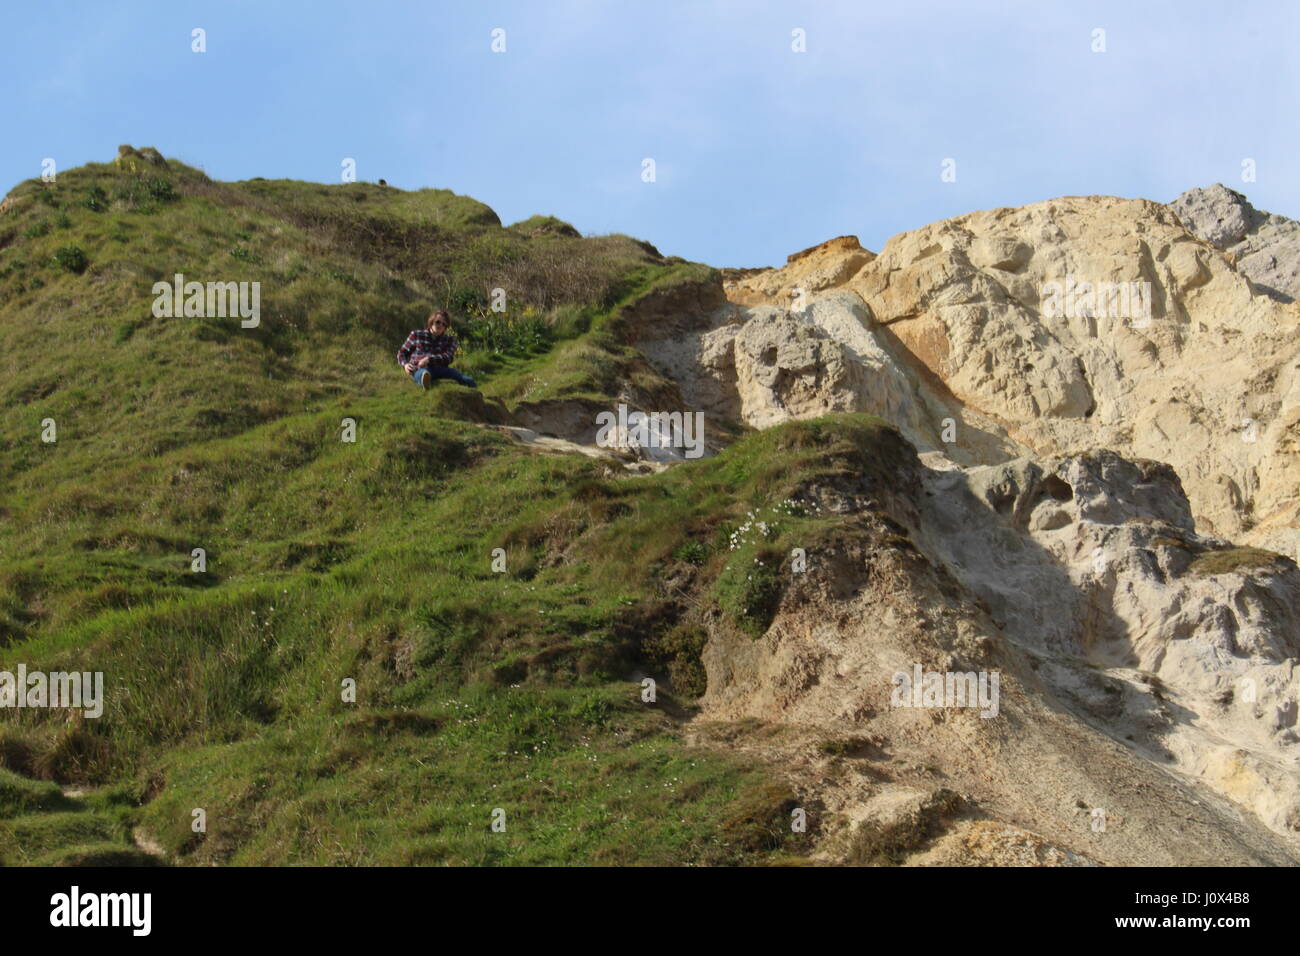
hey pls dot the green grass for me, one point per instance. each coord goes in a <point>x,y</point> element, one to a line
<point>371,560</point>
<point>99,821</point>
<point>18,794</point>
<point>580,775</point>
<point>236,682</point>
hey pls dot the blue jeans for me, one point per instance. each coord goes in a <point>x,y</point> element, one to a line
<point>442,371</point>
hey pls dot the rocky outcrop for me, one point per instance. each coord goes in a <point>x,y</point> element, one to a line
<point>1105,401</point>
<point>824,266</point>
<point>1133,689</point>
<point>128,157</point>
<point>1174,641</point>
<point>1265,247</point>
<point>1076,323</point>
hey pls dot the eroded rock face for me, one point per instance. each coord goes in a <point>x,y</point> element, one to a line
<point>1265,247</point>
<point>1085,323</point>
<point>814,270</point>
<point>786,367</point>
<point>1105,401</point>
<point>1074,580</point>
<point>1095,566</point>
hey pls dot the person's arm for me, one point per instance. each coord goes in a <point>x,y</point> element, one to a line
<point>404,353</point>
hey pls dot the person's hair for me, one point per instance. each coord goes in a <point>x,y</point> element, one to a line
<point>437,314</point>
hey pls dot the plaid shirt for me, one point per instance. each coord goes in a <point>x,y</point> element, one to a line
<point>422,342</point>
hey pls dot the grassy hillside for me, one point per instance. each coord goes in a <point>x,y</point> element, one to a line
<point>369,560</point>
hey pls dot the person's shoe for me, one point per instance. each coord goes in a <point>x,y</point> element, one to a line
<point>470,383</point>
<point>425,379</point>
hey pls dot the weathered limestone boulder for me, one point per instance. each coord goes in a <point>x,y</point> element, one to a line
<point>1265,247</point>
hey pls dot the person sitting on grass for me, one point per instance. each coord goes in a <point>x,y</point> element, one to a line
<point>427,353</point>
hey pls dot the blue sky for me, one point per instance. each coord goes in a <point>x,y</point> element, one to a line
<point>760,151</point>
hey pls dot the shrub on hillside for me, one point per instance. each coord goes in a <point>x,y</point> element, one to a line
<point>71,258</point>
<point>505,335</point>
<point>750,588</point>
<point>160,189</point>
<point>678,651</point>
<point>96,200</point>
<point>143,193</point>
